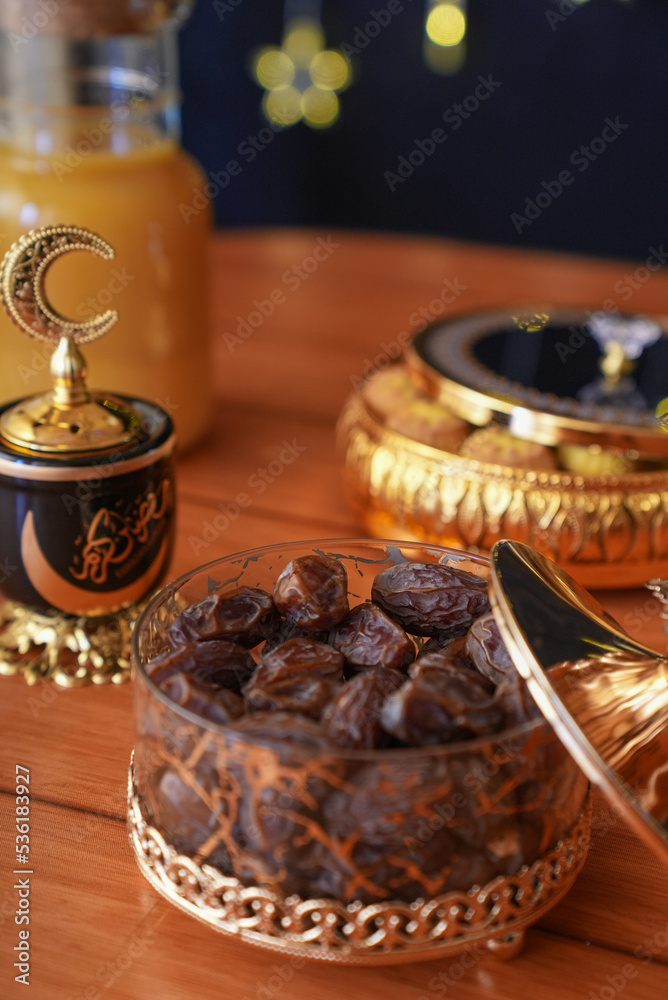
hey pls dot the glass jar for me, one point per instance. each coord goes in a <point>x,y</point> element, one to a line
<point>89,136</point>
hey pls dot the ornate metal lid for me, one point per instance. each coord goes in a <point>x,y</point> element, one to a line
<point>552,375</point>
<point>605,695</point>
<point>70,418</point>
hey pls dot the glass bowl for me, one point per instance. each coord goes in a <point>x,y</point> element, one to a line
<point>350,855</point>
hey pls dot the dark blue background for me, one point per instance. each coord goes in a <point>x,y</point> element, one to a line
<point>558,85</point>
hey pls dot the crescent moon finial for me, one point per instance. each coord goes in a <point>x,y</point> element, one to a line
<point>22,278</point>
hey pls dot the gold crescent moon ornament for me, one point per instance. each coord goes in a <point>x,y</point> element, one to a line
<point>22,278</point>
<point>86,491</point>
<point>69,418</point>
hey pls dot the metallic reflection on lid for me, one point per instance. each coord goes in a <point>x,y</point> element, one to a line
<point>605,694</point>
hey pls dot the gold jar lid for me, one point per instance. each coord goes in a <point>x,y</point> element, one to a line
<point>605,695</point>
<point>69,418</point>
<point>551,375</point>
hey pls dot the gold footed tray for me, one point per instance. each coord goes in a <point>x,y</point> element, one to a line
<point>607,531</point>
<point>67,650</point>
<point>493,917</point>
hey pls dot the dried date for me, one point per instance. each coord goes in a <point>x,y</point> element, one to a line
<point>303,693</point>
<point>278,801</point>
<point>439,651</point>
<point>217,704</point>
<point>367,637</point>
<point>430,599</point>
<point>515,701</point>
<point>300,675</point>
<point>288,630</point>
<point>312,592</point>
<point>487,650</point>
<point>284,733</point>
<point>300,656</point>
<point>352,719</point>
<point>246,615</point>
<point>185,819</point>
<point>214,661</point>
<point>396,842</point>
<point>444,703</point>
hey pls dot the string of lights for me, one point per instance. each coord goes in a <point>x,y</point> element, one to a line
<point>302,78</point>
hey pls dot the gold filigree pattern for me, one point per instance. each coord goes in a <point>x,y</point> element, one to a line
<point>399,486</point>
<point>22,277</point>
<point>69,651</point>
<point>389,931</point>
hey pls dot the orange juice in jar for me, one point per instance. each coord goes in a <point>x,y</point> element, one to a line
<point>89,137</point>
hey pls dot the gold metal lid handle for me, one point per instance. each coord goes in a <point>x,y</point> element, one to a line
<point>22,277</point>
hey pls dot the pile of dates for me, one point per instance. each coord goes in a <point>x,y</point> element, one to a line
<point>421,664</point>
<point>297,679</point>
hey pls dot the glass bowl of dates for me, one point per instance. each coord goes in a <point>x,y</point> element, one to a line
<point>335,756</point>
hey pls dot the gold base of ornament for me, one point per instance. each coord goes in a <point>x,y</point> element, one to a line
<point>491,919</point>
<point>69,651</point>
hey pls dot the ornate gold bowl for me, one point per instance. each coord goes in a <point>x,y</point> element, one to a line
<point>606,531</point>
<point>363,856</point>
<point>543,425</point>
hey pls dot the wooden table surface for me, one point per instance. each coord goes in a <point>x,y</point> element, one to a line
<point>97,929</point>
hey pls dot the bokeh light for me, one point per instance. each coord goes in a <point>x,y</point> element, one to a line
<point>330,70</point>
<point>301,77</point>
<point>274,68</point>
<point>446,24</point>
<point>320,107</point>
<point>283,106</point>
<point>303,40</point>
<point>661,414</point>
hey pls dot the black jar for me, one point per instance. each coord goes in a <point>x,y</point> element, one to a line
<point>88,533</point>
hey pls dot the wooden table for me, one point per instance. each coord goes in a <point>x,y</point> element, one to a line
<point>97,928</point>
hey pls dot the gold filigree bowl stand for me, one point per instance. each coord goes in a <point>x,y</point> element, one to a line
<point>68,650</point>
<point>493,917</point>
